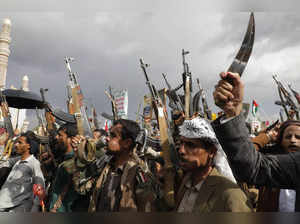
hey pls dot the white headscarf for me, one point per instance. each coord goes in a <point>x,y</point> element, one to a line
<point>199,128</point>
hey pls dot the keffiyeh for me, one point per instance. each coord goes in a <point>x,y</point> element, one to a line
<point>201,128</point>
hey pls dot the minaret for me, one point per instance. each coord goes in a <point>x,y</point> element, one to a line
<point>25,82</point>
<point>4,50</point>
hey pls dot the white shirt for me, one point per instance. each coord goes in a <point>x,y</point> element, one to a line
<point>287,199</point>
<point>19,183</point>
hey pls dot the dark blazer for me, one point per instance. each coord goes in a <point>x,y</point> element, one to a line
<point>248,165</point>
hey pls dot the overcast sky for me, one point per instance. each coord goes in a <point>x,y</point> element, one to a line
<point>107,44</point>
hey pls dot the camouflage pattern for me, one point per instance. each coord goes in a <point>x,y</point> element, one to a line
<point>138,190</point>
<point>83,177</point>
<point>63,193</point>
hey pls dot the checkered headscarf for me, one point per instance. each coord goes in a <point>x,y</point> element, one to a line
<point>199,128</point>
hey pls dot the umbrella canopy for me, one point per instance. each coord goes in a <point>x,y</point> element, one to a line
<point>23,99</point>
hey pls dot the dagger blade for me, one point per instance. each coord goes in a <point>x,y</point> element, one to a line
<point>240,61</point>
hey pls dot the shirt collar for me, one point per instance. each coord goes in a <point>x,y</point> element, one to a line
<point>27,159</point>
<point>197,187</point>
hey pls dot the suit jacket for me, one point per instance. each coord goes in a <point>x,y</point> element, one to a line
<point>248,165</point>
<point>217,194</point>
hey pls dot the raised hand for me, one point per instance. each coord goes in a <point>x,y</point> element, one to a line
<point>228,94</point>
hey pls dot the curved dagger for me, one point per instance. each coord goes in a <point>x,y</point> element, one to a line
<point>242,57</point>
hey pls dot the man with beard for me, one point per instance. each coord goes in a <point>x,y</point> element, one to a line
<point>208,182</point>
<point>122,183</point>
<point>16,194</point>
<point>63,193</point>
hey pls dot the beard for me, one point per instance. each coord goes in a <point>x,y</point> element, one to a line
<point>111,153</point>
<point>61,148</point>
<point>193,165</point>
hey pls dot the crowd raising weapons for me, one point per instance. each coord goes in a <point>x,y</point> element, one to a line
<point>77,100</point>
<point>167,143</point>
<point>129,160</point>
<point>286,100</point>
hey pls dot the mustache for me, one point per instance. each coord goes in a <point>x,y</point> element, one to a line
<point>294,146</point>
<point>182,159</point>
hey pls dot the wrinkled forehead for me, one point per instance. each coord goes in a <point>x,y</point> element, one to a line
<point>292,129</point>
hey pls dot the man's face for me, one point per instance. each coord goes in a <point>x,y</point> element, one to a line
<point>62,140</point>
<point>96,134</point>
<point>194,154</point>
<point>291,139</point>
<point>22,146</point>
<point>115,142</point>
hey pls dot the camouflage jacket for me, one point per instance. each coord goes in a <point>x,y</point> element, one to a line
<point>63,193</point>
<point>138,190</point>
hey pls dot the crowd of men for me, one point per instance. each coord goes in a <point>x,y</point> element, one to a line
<point>217,166</point>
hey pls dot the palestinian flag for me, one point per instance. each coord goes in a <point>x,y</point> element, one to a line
<point>254,107</point>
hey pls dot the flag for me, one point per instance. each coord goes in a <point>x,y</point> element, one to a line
<point>121,101</point>
<point>254,107</point>
<point>106,126</point>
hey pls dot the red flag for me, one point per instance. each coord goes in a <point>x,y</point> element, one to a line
<point>254,107</point>
<point>106,126</point>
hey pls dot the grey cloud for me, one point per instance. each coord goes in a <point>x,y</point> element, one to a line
<point>107,46</point>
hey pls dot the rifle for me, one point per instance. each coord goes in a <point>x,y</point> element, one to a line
<point>187,84</point>
<point>137,120</point>
<point>69,100</point>
<point>281,116</point>
<point>296,94</point>
<point>113,104</point>
<point>18,116</point>
<point>41,123</point>
<point>48,112</point>
<point>206,110</point>
<point>175,102</point>
<point>83,124</point>
<point>201,91</point>
<point>269,128</point>
<point>166,139</point>
<point>288,98</point>
<point>95,119</point>
<point>6,115</point>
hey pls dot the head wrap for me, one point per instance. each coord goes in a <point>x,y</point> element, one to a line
<point>199,128</point>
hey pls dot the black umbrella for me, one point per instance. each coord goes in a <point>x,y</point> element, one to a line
<point>23,99</point>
